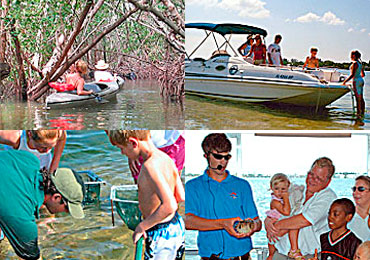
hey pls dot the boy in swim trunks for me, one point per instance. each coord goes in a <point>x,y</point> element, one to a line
<point>312,62</point>
<point>160,190</point>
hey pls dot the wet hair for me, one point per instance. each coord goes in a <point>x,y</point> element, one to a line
<point>41,135</point>
<point>49,187</point>
<point>357,54</point>
<point>216,142</point>
<point>347,204</point>
<point>278,36</point>
<point>314,49</point>
<point>365,179</point>
<point>325,162</point>
<point>122,136</point>
<point>81,67</point>
<point>278,178</point>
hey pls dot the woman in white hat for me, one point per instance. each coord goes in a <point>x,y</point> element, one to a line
<point>101,74</point>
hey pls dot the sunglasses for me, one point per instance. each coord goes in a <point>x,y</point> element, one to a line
<point>219,156</point>
<point>360,189</point>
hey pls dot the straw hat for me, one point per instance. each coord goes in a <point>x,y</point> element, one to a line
<point>101,65</point>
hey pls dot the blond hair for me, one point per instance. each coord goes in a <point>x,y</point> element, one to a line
<point>366,248</point>
<point>81,67</point>
<point>278,178</point>
<point>325,162</point>
<point>42,135</point>
<point>121,136</point>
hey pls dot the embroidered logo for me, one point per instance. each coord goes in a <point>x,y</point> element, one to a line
<point>233,195</point>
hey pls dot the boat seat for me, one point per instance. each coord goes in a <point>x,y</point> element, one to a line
<point>218,53</point>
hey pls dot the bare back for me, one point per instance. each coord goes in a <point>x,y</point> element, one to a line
<point>157,183</point>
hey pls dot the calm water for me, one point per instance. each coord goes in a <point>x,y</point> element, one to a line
<point>262,199</point>
<point>138,105</point>
<point>204,113</point>
<point>94,237</point>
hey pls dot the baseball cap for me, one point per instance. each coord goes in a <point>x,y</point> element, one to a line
<point>71,186</point>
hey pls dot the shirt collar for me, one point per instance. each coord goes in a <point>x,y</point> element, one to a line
<point>207,178</point>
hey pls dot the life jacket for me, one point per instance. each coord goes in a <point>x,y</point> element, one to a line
<point>61,87</point>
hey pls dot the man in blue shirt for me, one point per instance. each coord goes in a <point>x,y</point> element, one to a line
<point>215,201</point>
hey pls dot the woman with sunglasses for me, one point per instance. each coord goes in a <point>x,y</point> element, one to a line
<point>39,143</point>
<point>361,195</point>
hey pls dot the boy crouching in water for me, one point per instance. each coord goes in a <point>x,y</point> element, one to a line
<point>160,190</point>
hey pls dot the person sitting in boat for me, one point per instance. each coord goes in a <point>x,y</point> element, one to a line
<point>312,62</point>
<point>274,52</point>
<point>74,78</point>
<point>246,47</point>
<point>259,51</point>
<point>102,74</point>
<point>357,74</point>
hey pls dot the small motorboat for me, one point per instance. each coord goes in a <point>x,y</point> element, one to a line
<point>231,77</point>
<point>105,91</point>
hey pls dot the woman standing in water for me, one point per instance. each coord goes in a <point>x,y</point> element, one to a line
<point>357,73</point>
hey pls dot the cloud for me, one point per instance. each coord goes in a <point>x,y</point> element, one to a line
<point>332,19</point>
<point>328,18</point>
<point>244,8</point>
<point>350,30</point>
<point>363,30</point>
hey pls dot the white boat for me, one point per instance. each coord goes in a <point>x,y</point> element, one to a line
<point>107,91</point>
<point>233,78</point>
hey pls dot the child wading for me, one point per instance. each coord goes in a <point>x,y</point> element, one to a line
<point>160,190</point>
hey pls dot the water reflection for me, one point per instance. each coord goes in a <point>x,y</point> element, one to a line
<point>138,105</point>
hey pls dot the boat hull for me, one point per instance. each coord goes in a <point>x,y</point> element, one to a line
<point>64,99</point>
<point>257,90</point>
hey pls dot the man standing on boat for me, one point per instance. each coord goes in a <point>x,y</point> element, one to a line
<point>24,189</point>
<point>313,219</point>
<point>274,52</point>
<point>216,201</point>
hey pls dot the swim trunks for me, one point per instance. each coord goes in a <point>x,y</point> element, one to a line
<point>166,240</point>
<point>358,86</point>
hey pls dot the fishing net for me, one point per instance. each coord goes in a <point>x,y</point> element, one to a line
<point>125,199</point>
<point>92,187</point>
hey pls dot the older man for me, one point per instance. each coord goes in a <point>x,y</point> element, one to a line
<point>23,189</point>
<point>312,219</point>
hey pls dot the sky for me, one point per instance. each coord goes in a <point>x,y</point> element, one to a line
<point>335,27</point>
<point>289,155</point>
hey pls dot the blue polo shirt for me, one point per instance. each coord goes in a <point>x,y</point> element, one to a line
<point>207,198</point>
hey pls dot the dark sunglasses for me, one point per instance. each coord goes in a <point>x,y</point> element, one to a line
<point>219,156</point>
<point>360,189</point>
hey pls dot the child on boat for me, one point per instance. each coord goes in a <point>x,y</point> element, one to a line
<point>280,207</point>
<point>339,242</point>
<point>312,62</point>
<point>160,189</point>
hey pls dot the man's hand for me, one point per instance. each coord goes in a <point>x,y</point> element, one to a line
<point>256,227</point>
<point>272,232</point>
<point>228,225</point>
<point>138,233</point>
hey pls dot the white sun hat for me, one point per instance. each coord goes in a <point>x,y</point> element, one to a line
<point>101,65</point>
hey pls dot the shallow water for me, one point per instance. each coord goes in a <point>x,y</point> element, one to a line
<point>205,113</point>
<point>94,237</point>
<point>261,195</point>
<point>138,105</point>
